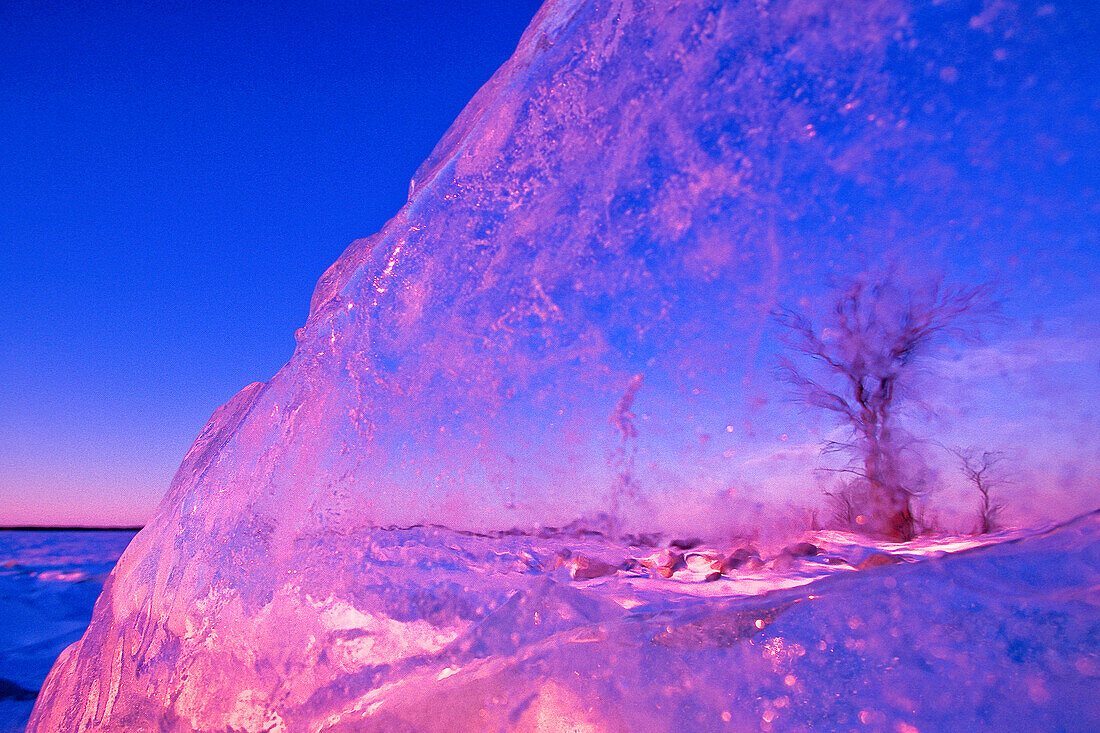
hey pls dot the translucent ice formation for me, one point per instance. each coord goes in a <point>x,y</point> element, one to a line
<point>445,631</point>
<point>565,322</point>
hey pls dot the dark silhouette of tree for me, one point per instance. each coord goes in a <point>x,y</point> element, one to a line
<point>980,471</point>
<point>844,502</point>
<point>859,367</point>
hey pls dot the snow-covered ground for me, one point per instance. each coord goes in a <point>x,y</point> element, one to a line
<point>571,631</point>
<point>49,581</point>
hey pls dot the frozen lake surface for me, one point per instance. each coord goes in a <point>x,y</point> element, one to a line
<point>49,581</point>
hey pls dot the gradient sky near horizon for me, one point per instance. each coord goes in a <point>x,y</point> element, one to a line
<point>174,177</point>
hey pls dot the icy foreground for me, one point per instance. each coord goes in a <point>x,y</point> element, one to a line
<point>563,320</point>
<point>450,631</point>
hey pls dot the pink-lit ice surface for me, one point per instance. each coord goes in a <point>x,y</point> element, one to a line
<point>566,327</point>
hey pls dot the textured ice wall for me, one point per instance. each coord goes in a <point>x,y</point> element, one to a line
<point>445,631</point>
<point>563,318</point>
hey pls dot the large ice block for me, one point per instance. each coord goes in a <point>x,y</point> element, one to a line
<point>568,321</point>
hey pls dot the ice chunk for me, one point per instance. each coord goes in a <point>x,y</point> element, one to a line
<point>566,322</point>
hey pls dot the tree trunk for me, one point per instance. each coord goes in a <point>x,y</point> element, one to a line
<point>900,522</point>
<point>892,513</point>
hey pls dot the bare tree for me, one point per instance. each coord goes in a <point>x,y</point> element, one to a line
<point>926,520</point>
<point>843,502</point>
<point>980,471</point>
<point>859,367</point>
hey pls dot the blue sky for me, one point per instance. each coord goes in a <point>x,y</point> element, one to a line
<point>174,177</point>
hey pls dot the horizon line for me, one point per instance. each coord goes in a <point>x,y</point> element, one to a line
<point>70,528</point>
